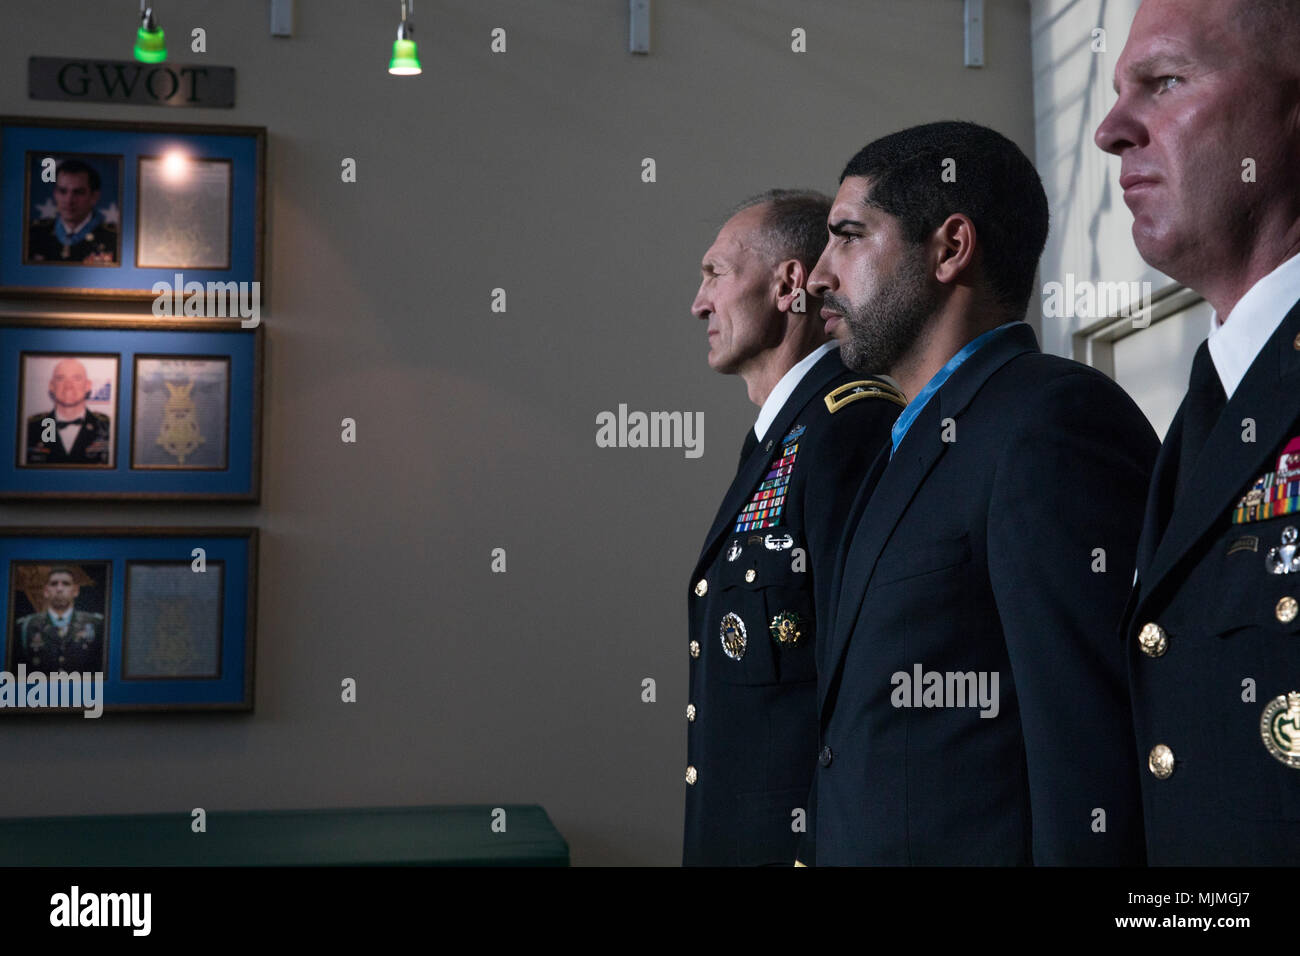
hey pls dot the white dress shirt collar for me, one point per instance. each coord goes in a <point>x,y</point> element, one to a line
<point>785,388</point>
<point>1236,341</point>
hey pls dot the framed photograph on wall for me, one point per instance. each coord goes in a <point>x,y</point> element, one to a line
<point>162,617</point>
<point>58,610</point>
<point>96,209</point>
<point>67,410</point>
<point>73,209</point>
<point>130,409</point>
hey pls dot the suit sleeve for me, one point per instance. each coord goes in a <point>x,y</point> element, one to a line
<point>855,435</point>
<point>1067,502</point>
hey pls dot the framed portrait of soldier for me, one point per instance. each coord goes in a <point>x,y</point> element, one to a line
<point>129,408</point>
<point>67,410</point>
<point>165,616</point>
<point>73,211</point>
<point>181,412</point>
<point>173,214</point>
<point>58,613</point>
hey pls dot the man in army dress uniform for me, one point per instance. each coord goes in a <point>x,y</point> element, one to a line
<point>78,232</point>
<point>70,434</point>
<point>757,593</point>
<point>1208,132</point>
<point>60,638</point>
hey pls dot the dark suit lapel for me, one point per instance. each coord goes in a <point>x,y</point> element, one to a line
<point>1269,394</point>
<point>1160,495</point>
<point>902,479</point>
<point>814,382</point>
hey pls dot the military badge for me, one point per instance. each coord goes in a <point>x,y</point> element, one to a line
<point>800,429</point>
<point>733,636</point>
<point>1283,559</point>
<point>1279,726</point>
<point>1274,493</point>
<point>733,552</point>
<point>1247,542</point>
<point>778,543</point>
<point>1288,464</point>
<point>765,507</point>
<point>785,628</point>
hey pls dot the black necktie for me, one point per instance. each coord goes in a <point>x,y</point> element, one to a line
<point>1201,410</point>
<point>73,421</point>
<point>751,440</point>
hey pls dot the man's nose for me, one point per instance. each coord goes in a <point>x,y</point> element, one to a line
<point>700,308</point>
<point>1118,130</point>
<point>819,281</point>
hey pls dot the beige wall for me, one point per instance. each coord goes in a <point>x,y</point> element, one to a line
<point>478,430</point>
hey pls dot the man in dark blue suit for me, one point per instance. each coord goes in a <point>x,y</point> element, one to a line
<point>758,591</point>
<point>972,695</point>
<point>1208,130</point>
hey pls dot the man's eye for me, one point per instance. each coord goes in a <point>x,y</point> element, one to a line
<point>1166,83</point>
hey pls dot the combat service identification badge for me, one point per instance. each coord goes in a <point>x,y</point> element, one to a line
<point>785,628</point>
<point>733,636</point>
<point>1280,728</point>
<point>733,552</point>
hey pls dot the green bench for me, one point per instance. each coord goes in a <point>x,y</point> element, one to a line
<point>379,836</point>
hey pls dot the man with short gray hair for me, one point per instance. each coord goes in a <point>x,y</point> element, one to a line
<point>1207,127</point>
<point>759,588</point>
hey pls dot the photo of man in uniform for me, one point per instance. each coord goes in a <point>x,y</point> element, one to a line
<point>78,231</point>
<point>70,433</point>
<point>59,636</point>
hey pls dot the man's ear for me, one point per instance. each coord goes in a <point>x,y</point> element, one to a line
<point>791,285</point>
<point>954,243</point>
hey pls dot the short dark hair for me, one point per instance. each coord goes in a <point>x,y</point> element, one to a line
<point>993,183</point>
<point>77,166</point>
<point>60,569</point>
<point>794,223</point>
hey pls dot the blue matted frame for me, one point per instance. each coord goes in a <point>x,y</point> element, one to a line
<point>235,547</point>
<point>240,480</point>
<point>243,146</point>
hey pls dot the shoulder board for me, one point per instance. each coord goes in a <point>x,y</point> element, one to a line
<point>850,392</point>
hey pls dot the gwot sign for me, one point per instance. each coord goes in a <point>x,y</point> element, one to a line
<point>126,81</point>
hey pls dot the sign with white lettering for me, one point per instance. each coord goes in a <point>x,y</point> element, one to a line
<point>125,81</point>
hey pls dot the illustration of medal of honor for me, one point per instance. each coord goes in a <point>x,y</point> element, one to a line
<point>179,434</point>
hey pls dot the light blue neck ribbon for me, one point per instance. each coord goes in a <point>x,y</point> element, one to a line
<point>72,238</point>
<point>914,407</point>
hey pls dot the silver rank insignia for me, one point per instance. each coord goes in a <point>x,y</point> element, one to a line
<point>1280,728</point>
<point>774,543</point>
<point>733,552</point>
<point>785,628</point>
<point>733,635</point>
<point>1284,559</point>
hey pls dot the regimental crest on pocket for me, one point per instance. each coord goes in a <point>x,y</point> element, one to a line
<point>1279,726</point>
